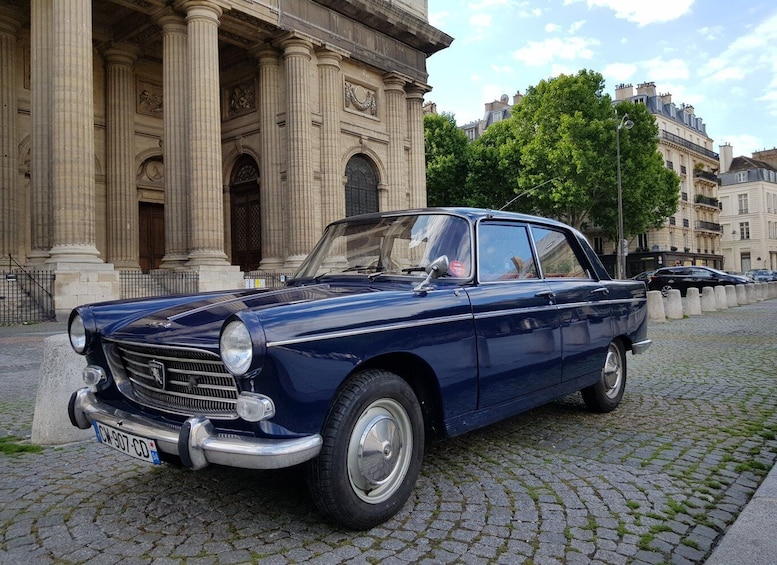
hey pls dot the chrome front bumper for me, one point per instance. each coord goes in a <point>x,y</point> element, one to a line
<point>196,442</point>
<point>640,346</point>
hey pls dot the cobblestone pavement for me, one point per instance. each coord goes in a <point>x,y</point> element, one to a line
<point>656,481</point>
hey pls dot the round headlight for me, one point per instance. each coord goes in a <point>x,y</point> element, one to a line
<point>77,333</point>
<point>236,347</point>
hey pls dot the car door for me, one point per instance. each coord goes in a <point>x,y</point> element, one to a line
<point>583,301</point>
<point>516,320</point>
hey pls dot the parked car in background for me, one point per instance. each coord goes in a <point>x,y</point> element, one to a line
<point>682,278</point>
<point>762,275</point>
<point>398,327</point>
<point>644,276</point>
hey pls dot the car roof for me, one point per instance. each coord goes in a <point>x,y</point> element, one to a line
<point>472,214</point>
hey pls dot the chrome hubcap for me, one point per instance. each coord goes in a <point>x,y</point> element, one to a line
<point>379,450</point>
<point>612,373</point>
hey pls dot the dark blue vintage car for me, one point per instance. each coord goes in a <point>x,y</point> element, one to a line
<point>398,328</point>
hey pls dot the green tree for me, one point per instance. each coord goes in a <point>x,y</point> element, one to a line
<point>447,155</point>
<point>566,129</point>
<point>494,162</point>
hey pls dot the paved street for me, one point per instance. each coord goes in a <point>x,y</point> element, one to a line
<point>656,481</point>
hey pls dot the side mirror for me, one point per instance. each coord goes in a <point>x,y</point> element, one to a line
<point>435,270</point>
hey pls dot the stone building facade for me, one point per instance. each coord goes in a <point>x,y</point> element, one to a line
<point>210,135</point>
<point>748,196</point>
<point>693,235</point>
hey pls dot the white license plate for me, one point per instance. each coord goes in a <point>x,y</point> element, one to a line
<point>135,446</point>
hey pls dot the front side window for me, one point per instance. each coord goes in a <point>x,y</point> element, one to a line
<point>556,256</point>
<point>504,253</point>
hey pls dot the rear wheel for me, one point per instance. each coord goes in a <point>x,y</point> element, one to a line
<point>607,393</point>
<point>665,290</point>
<point>372,452</point>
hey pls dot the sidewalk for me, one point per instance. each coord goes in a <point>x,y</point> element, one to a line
<point>752,538</point>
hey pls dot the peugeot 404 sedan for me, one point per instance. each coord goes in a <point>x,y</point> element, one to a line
<point>398,328</point>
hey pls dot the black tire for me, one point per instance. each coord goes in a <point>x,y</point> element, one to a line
<point>377,412</point>
<point>607,393</point>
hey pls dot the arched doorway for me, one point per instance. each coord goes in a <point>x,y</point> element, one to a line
<point>361,188</point>
<point>151,213</point>
<point>245,214</point>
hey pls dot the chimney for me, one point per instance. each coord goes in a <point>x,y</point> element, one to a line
<point>767,156</point>
<point>726,156</point>
<point>623,92</point>
<point>647,88</point>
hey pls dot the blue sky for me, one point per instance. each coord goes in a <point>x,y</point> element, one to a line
<point>718,56</point>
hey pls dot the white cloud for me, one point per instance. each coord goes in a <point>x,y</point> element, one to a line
<point>619,72</point>
<point>539,53</point>
<point>552,28</point>
<point>575,26</point>
<point>711,32</point>
<point>644,13</point>
<point>502,69</point>
<point>661,69</point>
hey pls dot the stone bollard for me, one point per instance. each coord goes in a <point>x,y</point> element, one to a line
<point>720,298</point>
<point>692,303</point>
<point>708,299</point>
<point>741,294</point>
<point>760,295</point>
<point>750,292</point>
<point>655,306</point>
<point>674,305</point>
<point>60,376</point>
<point>731,295</point>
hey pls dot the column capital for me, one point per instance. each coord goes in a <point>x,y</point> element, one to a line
<point>171,21</point>
<point>265,53</point>
<point>121,54</point>
<point>330,56</point>
<point>207,9</point>
<point>395,81</point>
<point>417,90</point>
<point>294,44</point>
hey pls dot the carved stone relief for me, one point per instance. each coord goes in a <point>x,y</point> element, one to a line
<point>242,99</point>
<point>149,98</point>
<point>360,98</point>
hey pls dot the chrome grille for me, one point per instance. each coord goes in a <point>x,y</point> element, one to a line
<point>195,380</point>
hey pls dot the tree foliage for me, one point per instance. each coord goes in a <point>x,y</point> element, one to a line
<point>447,155</point>
<point>566,128</point>
<point>557,157</point>
<point>492,180</point>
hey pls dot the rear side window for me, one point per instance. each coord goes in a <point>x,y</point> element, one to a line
<point>557,258</point>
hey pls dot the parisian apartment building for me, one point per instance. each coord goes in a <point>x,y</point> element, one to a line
<point>748,197</point>
<point>216,136</point>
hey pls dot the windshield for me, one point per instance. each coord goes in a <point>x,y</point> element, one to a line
<point>404,244</point>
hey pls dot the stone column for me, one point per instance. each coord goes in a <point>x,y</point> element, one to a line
<point>122,201</point>
<point>303,220</point>
<point>9,169</point>
<point>40,110</point>
<point>81,276</point>
<point>396,123</point>
<point>206,204</point>
<point>72,135</point>
<point>175,140</point>
<point>415,126</point>
<point>330,89</point>
<point>271,197</point>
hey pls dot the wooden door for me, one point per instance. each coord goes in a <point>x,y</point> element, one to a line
<point>152,235</point>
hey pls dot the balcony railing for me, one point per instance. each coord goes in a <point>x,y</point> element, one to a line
<point>689,145</point>
<point>707,200</point>
<point>706,175</point>
<point>709,226</point>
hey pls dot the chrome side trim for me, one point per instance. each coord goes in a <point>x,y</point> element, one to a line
<point>376,329</point>
<point>640,346</point>
<point>204,445</point>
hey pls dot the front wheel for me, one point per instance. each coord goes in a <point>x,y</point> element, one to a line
<point>607,393</point>
<point>372,452</point>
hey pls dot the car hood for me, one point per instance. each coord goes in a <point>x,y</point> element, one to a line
<point>197,322</point>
